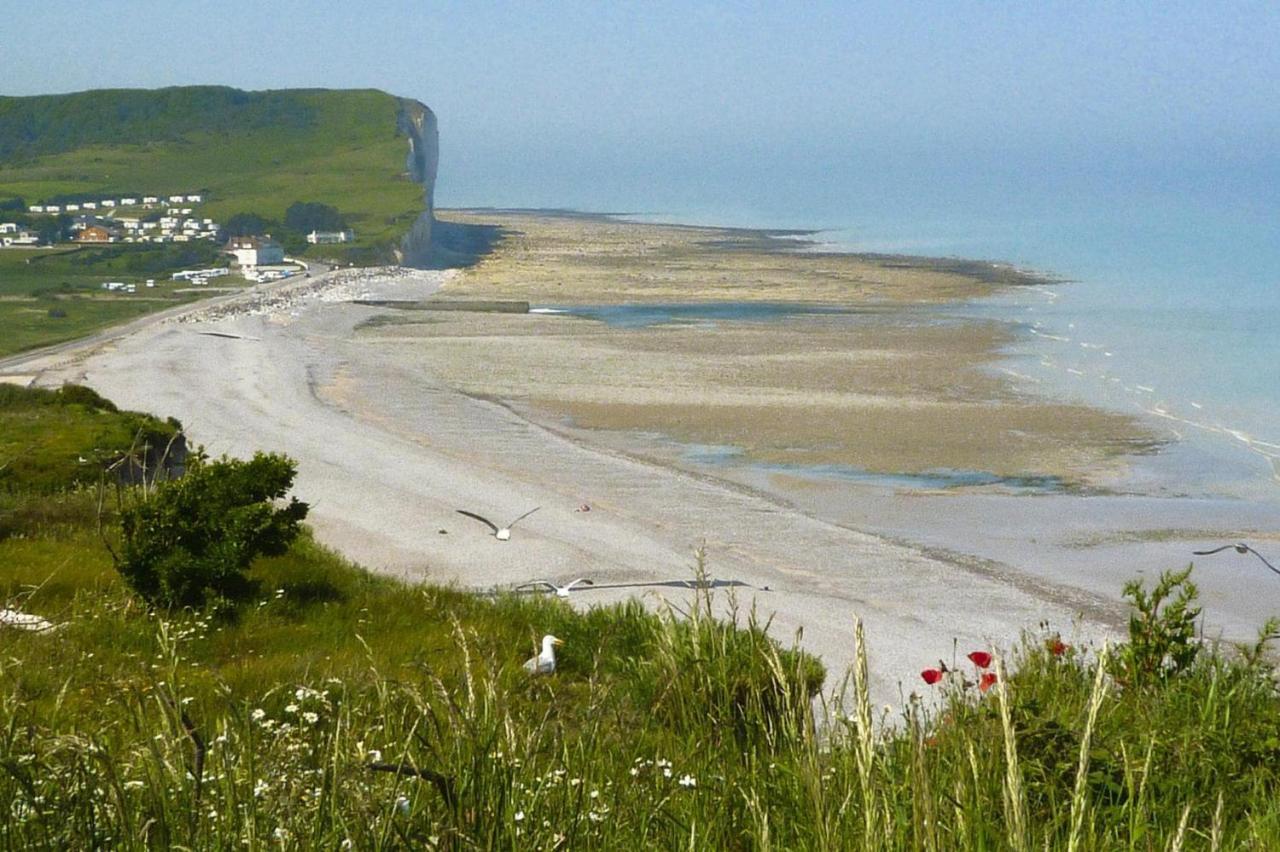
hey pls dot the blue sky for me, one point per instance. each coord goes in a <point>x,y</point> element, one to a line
<point>598,101</point>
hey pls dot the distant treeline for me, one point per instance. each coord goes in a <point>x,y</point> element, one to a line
<point>300,219</point>
<point>52,124</point>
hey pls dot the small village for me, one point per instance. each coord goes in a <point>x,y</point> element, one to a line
<point>156,219</point>
<point>142,219</point>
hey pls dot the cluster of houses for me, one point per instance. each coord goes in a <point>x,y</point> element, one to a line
<point>12,234</point>
<point>100,222</point>
<point>178,226</point>
<point>113,203</point>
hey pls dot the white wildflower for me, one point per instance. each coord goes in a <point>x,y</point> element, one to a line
<point>666,773</point>
<point>375,755</point>
<point>292,708</point>
<point>310,718</point>
<point>519,816</point>
<point>260,788</point>
<point>402,804</point>
<point>258,714</point>
<point>688,781</point>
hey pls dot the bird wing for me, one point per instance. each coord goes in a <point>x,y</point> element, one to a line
<point>1263,558</point>
<point>1215,550</point>
<point>581,581</point>
<point>546,584</point>
<point>522,517</point>
<point>481,518</point>
<point>531,664</point>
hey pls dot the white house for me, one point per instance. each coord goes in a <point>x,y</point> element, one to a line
<point>8,228</point>
<point>330,237</point>
<point>128,202</point>
<point>108,202</point>
<point>176,199</point>
<point>90,205</point>
<point>36,208</point>
<point>73,208</point>
<point>255,251</point>
<point>195,199</point>
<point>149,199</point>
<point>52,208</point>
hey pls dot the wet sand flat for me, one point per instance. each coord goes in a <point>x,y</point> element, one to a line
<point>890,387</point>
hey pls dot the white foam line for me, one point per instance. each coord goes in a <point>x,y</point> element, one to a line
<point>1266,449</point>
<point>1021,376</point>
<point>1075,372</point>
<point>1051,336</point>
<point>1145,389</point>
<point>546,311</point>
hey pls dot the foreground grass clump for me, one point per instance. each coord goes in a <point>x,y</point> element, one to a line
<point>337,709</point>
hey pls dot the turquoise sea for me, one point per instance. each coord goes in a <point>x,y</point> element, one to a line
<point>1170,301</point>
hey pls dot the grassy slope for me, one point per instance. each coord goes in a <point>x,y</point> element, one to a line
<point>336,147</point>
<point>98,724</point>
<point>248,152</point>
<point>54,295</point>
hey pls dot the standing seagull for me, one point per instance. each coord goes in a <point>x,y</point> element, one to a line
<point>503,533</point>
<point>1239,548</point>
<point>544,663</point>
<point>559,591</point>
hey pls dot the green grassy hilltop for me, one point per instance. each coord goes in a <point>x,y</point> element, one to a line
<point>248,152</point>
<point>251,156</point>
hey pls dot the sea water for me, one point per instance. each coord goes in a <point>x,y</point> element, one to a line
<point>1168,305</point>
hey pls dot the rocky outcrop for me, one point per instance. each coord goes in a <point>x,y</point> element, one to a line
<point>418,123</point>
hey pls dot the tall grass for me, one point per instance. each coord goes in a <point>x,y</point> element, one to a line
<point>346,709</point>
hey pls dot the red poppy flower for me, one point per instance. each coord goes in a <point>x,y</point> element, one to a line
<point>987,680</point>
<point>931,676</point>
<point>1057,647</point>
<point>981,659</point>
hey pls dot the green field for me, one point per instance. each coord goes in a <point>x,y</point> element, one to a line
<point>54,295</point>
<point>336,709</point>
<point>246,152</point>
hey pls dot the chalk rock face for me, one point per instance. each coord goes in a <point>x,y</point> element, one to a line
<point>418,123</point>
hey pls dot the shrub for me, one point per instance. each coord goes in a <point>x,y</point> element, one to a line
<point>1162,629</point>
<point>191,540</point>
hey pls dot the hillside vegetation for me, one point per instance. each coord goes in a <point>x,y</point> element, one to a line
<point>283,162</point>
<point>336,709</point>
<point>249,152</point>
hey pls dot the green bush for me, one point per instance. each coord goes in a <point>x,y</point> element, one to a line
<point>190,541</point>
<point>1162,630</point>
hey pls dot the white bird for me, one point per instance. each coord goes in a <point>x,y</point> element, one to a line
<point>544,663</point>
<point>500,533</point>
<point>558,591</point>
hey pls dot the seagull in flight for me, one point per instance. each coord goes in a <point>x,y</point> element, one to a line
<point>548,586</point>
<point>1239,548</point>
<point>500,533</point>
<point>544,663</point>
